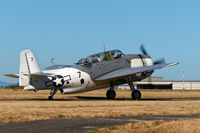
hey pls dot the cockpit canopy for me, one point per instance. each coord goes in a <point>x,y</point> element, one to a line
<point>103,56</point>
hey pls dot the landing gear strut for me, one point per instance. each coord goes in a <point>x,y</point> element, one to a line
<point>136,94</point>
<point>53,92</point>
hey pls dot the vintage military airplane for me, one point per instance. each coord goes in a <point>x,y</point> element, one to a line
<point>105,69</point>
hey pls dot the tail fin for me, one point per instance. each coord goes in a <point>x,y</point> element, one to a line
<point>28,65</point>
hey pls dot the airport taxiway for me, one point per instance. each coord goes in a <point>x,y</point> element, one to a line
<point>80,125</point>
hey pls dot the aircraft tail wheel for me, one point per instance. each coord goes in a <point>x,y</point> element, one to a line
<point>136,95</point>
<point>111,94</point>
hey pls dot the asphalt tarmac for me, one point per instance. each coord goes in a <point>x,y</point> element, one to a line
<point>80,125</point>
<point>86,98</point>
<point>84,125</point>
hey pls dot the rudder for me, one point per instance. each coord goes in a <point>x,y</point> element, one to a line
<point>28,65</point>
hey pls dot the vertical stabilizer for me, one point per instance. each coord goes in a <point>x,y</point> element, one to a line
<point>28,65</point>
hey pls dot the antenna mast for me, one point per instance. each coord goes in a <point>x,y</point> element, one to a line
<point>104,48</point>
<point>52,61</point>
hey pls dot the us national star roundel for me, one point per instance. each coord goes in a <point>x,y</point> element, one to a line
<point>58,81</point>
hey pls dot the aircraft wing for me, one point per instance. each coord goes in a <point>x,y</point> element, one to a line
<point>130,71</point>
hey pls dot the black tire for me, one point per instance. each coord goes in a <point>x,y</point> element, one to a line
<point>136,95</point>
<point>50,98</point>
<point>111,94</point>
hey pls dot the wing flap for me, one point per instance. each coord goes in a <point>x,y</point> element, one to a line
<point>130,71</point>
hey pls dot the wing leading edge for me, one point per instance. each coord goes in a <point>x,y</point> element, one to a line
<point>130,71</point>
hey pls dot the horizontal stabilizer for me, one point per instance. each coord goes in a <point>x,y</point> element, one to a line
<point>130,71</point>
<point>39,75</point>
<point>31,75</point>
<point>12,75</point>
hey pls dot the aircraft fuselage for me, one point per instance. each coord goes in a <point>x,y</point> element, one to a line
<point>81,78</point>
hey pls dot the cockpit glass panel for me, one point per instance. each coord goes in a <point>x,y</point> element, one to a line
<point>81,61</point>
<point>103,56</point>
<point>117,54</point>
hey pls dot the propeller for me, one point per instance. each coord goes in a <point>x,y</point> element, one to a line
<point>160,61</point>
<point>144,51</point>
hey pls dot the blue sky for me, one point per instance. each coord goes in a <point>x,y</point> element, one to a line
<point>70,30</point>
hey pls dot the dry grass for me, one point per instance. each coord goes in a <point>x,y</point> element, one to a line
<point>32,106</point>
<point>179,126</point>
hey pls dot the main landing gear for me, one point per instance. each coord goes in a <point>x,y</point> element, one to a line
<point>111,94</point>
<point>53,92</point>
<point>136,94</point>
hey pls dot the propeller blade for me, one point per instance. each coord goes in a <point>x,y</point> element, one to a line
<point>143,50</point>
<point>160,61</point>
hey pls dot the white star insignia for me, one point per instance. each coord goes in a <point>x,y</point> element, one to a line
<point>58,81</point>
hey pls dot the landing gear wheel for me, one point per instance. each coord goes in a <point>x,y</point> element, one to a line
<point>111,94</point>
<point>136,95</point>
<point>50,98</point>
